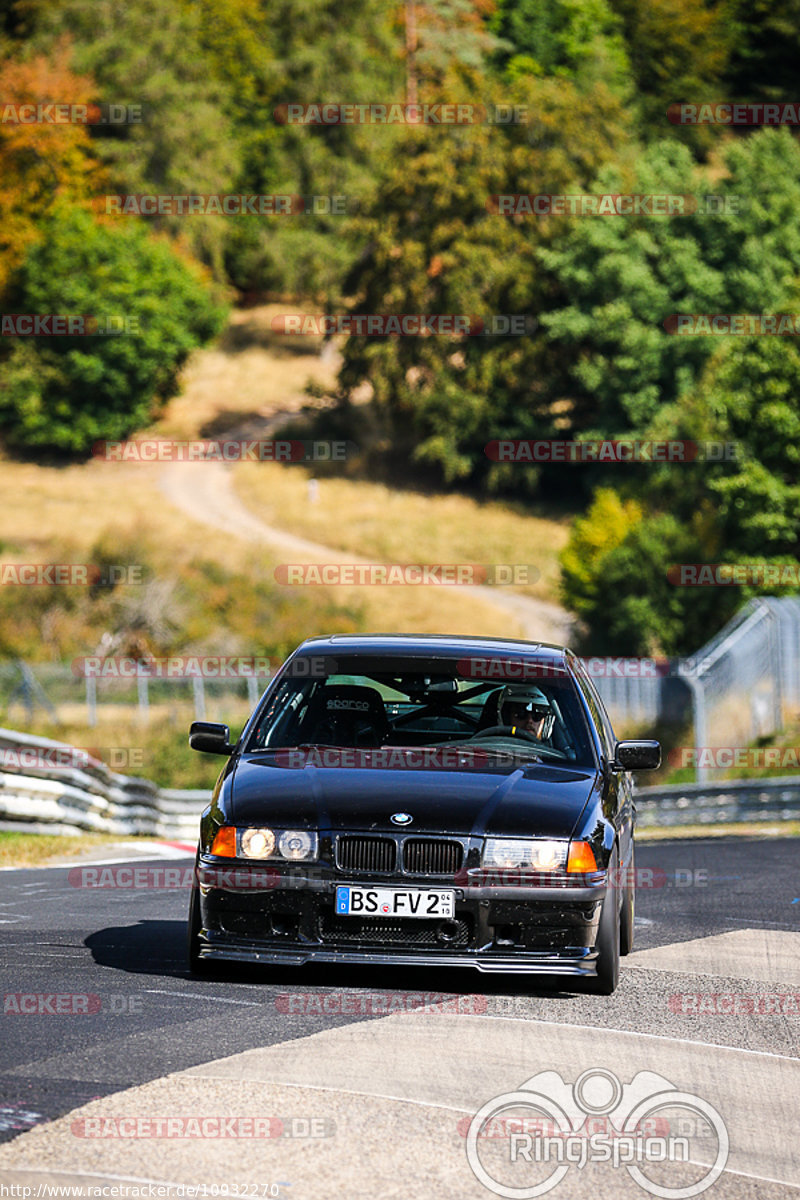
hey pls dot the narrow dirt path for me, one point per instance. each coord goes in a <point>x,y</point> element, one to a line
<point>204,491</point>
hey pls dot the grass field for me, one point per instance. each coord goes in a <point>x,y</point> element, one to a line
<point>387,525</point>
<point>34,849</point>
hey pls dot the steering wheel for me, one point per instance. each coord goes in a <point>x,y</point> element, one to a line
<point>507,731</point>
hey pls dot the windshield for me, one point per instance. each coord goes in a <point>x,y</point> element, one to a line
<point>427,704</point>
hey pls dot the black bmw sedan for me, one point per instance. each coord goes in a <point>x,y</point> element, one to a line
<point>422,800</point>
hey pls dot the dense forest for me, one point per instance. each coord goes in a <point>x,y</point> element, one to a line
<point>564,98</point>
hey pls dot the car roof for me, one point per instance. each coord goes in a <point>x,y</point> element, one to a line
<point>433,646</point>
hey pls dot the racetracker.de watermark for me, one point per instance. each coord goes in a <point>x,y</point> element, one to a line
<point>70,1004</point>
<point>177,666</point>
<point>404,324</point>
<point>225,204</point>
<point>785,758</point>
<point>519,670</point>
<point>69,758</point>
<point>732,112</point>
<point>613,204</point>
<point>735,1004</point>
<point>733,324</point>
<point>213,1128</point>
<point>734,574</point>
<point>67,325</point>
<point>70,574</point>
<point>608,450</point>
<point>406,574</point>
<point>382,113</point>
<point>637,878</point>
<point>395,758</point>
<point>377,1004</point>
<point>62,113</point>
<point>149,450</point>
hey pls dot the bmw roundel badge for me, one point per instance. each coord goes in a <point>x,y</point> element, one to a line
<point>401,818</point>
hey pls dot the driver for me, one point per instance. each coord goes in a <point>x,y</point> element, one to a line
<point>525,707</point>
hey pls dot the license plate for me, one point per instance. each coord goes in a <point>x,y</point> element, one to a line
<point>394,902</point>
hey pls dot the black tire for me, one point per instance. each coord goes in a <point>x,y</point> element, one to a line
<point>608,937</point>
<point>628,906</point>
<point>197,965</point>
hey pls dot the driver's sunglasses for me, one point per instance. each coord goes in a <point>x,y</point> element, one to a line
<point>524,710</point>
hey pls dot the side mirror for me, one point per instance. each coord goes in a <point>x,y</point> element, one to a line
<point>210,737</point>
<point>637,756</point>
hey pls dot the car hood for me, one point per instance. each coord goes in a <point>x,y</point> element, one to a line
<point>543,800</point>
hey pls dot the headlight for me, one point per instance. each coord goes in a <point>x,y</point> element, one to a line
<point>256,843</point>
<point>531,853</point>
<point>297,844</point>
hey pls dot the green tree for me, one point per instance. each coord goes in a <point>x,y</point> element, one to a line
<point>152,55</point>
<point>637,609</point>
<point>434,244</point>
<point>580,40</point>
<point>678,50</point>
<point>607,523</point>
<point>765,49</point>
<point>65,393</point>
<point>621,278</point>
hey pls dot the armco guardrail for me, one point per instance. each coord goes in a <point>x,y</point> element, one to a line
<point>719,803</point>
<point>48,785</point>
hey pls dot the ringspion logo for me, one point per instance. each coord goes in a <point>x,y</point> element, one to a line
<point>549,1126</point>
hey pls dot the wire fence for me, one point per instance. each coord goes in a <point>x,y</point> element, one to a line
<point>53,692</point>
<point>740,687</point>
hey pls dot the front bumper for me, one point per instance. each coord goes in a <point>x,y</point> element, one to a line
<point>286,916</point>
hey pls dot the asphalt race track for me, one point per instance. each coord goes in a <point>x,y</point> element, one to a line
<point>120,1071</point>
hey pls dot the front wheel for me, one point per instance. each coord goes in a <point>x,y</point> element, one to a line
<point>608,937</point>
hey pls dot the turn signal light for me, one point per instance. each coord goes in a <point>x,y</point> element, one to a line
<point>581,859</point>
<point>224,843</point>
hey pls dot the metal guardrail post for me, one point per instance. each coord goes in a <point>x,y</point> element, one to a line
<point>699,721</point>
<point>199,690</point>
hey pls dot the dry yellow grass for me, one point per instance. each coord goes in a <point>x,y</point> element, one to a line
<point>250,372</point>
<point>385,525</point>
<point>33,849</point>
<point>39,506</point>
